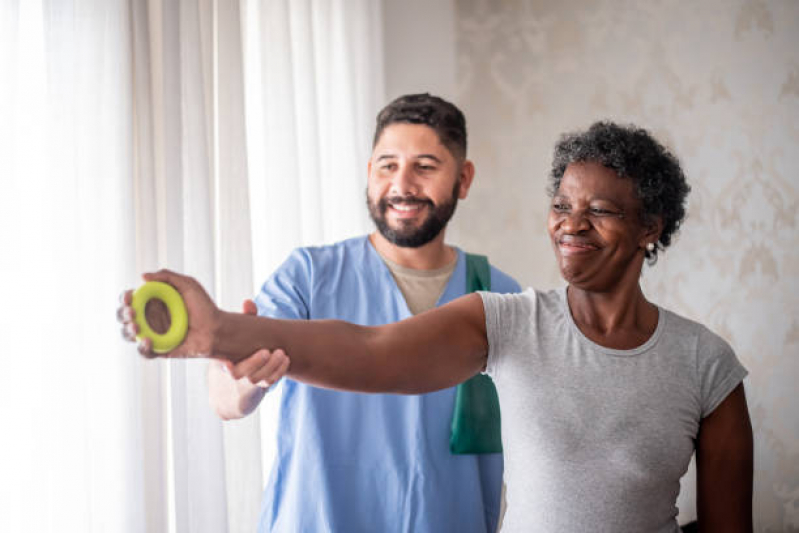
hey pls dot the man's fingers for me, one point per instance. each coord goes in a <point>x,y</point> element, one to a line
<point>225,365</point>
<point>273,370</point>
<point>250,365</point>
<point>248,307</point>
<point>281,370</point>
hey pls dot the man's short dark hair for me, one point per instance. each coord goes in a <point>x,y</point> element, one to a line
<point>432,111</point>
<point>632,153</point>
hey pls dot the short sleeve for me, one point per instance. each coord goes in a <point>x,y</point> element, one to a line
<point>506,316</point>
<point>286,294</point>
<point>719,370</point>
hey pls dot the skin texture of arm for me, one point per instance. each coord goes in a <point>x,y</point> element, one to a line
<point>724,467</point>
<point>430,351</point>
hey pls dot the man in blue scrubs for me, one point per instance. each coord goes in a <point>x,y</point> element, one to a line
<point>349,462</point>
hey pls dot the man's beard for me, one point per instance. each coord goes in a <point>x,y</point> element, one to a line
<point>407,235</point>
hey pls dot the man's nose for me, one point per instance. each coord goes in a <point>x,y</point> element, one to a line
<point>404,182</point>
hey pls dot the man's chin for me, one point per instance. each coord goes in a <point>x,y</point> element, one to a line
<point>404,240</point>
<point>406,237</point>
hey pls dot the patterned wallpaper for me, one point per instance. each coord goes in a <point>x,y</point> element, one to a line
<point>718,81</point>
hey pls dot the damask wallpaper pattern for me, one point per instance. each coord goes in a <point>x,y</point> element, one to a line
<point>718,82</point>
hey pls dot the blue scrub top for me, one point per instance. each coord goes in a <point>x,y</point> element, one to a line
<point>350,462</point>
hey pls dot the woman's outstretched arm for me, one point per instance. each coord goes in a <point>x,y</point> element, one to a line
<point>724,467</point>
<point>430,351</point>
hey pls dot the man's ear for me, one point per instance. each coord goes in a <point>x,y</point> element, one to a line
<point>466,179</point>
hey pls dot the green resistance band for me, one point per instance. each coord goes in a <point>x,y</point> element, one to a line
<point>476,424</point>
<point>166,342</point>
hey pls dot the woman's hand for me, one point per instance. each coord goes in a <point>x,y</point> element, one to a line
<point>203,318</point>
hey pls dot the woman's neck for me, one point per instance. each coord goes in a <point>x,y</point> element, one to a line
<point>621,319</point>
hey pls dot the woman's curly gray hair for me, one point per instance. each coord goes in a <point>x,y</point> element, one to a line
<point>634,154</point>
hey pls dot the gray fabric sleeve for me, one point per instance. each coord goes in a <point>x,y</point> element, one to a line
<point>719,370</point>
<point>504,313</point>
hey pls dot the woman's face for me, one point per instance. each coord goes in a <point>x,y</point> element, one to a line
<point>596,229</point>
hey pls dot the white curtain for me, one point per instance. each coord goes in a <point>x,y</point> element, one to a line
<point>313,84</point>
<point>125,146</point>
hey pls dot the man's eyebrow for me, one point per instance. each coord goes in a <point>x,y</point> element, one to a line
<point>383,157</point>
<point>428,156</point>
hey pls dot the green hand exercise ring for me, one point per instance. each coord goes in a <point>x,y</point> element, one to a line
<point>166,342</point>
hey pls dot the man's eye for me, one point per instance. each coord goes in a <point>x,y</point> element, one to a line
<point>560,208</point>
<point>426,168</point>
<point>389,167</point>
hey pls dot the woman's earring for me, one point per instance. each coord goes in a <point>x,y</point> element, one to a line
<point>650,247</point>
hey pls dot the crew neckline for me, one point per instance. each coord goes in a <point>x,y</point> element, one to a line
<point>419,273</point>
<point>650,342</point>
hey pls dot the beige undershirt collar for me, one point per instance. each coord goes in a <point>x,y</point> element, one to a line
<point>421,288</point>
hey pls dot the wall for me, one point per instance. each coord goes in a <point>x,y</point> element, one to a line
<point>718,81</point>
<point>419,47</point>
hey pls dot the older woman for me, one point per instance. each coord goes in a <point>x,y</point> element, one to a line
<point>604,395</point>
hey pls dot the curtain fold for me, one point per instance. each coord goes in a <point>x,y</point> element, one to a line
<point>176,111</point>
<point>204,136</point>
<point>70,397</point>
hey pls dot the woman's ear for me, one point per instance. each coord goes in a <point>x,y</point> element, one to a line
<point>653,227</point>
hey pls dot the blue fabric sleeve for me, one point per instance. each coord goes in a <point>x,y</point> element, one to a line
<point>286,294</point>
<point>502,283</point>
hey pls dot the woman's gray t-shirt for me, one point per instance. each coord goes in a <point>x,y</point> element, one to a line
<point>597,439</point>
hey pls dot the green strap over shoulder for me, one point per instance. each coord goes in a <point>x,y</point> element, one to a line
<point>476,424</point>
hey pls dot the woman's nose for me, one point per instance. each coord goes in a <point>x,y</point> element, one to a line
<point>575,220</point>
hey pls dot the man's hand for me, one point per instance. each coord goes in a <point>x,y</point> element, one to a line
<point>203,317</point>
<point>263,368</point>
<point>233,397</point>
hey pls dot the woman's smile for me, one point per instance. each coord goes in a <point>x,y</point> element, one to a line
<point>575,245</point>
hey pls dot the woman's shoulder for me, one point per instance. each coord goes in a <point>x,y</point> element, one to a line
<point>531,297</point>
<point>527,305</point>
<point>695,332</point>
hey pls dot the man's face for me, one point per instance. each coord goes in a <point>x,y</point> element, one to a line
<point>414,184</point>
